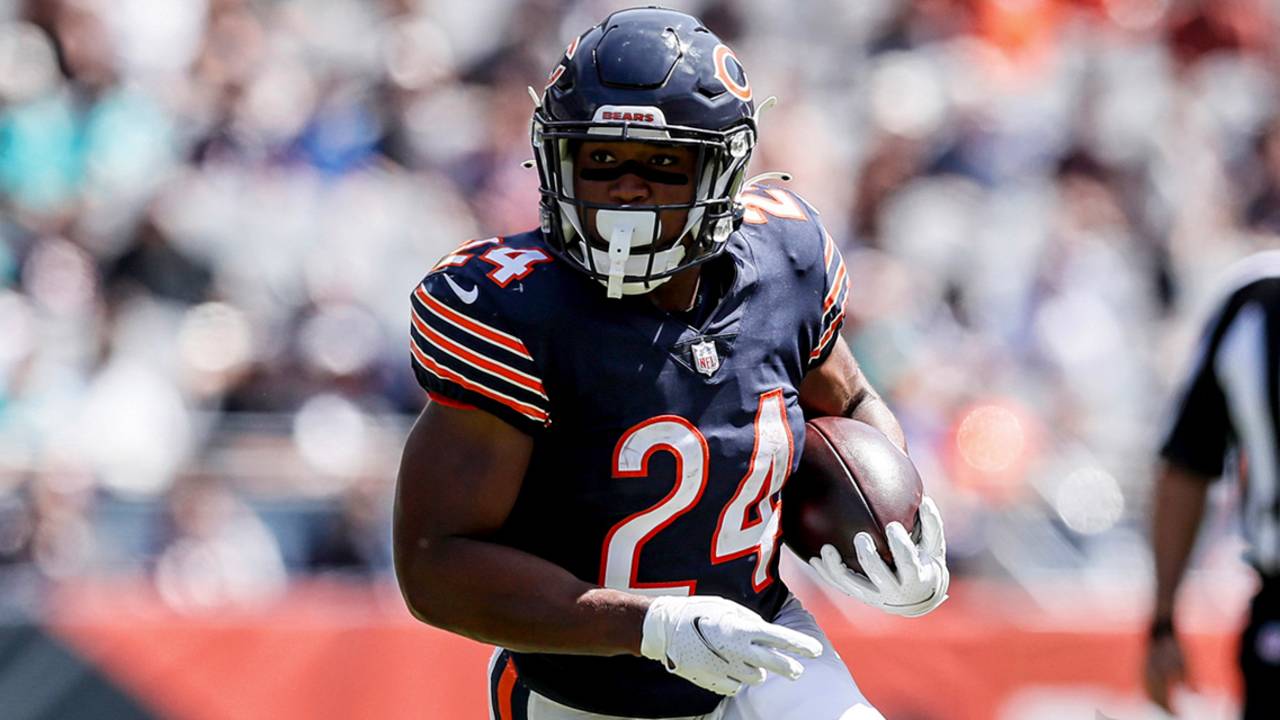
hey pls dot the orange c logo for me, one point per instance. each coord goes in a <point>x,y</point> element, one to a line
<point>721,58</point>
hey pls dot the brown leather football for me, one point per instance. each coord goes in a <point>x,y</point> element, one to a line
<point>851,479</point>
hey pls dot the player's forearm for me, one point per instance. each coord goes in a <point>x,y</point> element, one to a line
<point>869,408</point>
<point>1179,505</point>
<point>502,596</point>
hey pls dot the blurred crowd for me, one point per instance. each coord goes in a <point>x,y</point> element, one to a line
<point>212,212</point>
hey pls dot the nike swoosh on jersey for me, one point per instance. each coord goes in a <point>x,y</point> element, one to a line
<point>466,296</point>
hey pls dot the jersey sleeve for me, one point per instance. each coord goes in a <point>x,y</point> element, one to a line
<point>1200,429</point>
<point>464,352</point>
<point>836,292</point>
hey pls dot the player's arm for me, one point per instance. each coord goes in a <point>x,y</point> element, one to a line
<point>839,387</point>
<point>459,477</point>
<point>833,383</point>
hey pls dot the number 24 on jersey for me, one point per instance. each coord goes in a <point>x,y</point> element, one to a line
<point>737,534</point>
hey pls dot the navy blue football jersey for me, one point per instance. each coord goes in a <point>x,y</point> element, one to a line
<point>661,440</point>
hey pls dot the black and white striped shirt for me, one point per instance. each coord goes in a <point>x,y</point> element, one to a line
<point>1231,400</point>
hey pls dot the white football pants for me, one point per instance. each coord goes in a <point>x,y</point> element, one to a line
<point>825,691</point>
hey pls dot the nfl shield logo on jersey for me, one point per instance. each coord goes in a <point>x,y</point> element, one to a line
<point>705,358</point>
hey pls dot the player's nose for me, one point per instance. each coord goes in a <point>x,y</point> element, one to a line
<point>629,189</point>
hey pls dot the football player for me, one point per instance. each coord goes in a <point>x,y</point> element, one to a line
<point>617,399</point>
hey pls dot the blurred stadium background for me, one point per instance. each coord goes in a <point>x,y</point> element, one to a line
<point>212,212</point>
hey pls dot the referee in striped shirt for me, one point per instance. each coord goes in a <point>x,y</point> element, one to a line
<point>1229,407</point>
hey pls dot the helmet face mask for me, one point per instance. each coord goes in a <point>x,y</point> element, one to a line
<point>655,77</point>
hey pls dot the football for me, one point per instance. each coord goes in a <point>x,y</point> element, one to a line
<point>851,479</point>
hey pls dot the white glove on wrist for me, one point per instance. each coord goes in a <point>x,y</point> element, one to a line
<point>920,583</point>
<point>719,645</point>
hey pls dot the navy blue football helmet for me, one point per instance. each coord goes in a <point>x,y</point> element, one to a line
<point>647,75</point>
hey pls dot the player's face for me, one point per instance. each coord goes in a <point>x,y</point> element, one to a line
<point>636,173</point>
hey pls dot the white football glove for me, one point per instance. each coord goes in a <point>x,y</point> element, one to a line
<point>719,645</point>
<point>920,583</point>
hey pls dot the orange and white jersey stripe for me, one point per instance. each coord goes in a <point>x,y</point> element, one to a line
<point>837,292</point>
<point>462,351</point>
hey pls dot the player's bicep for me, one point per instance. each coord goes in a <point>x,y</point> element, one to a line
<point>459,476</point>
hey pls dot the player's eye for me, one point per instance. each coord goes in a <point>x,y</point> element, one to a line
<point>664,160</point>
<point>602,156</point>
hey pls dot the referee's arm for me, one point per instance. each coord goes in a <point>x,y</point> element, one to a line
<point>1192,457</point>
<point>1178,508</point>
